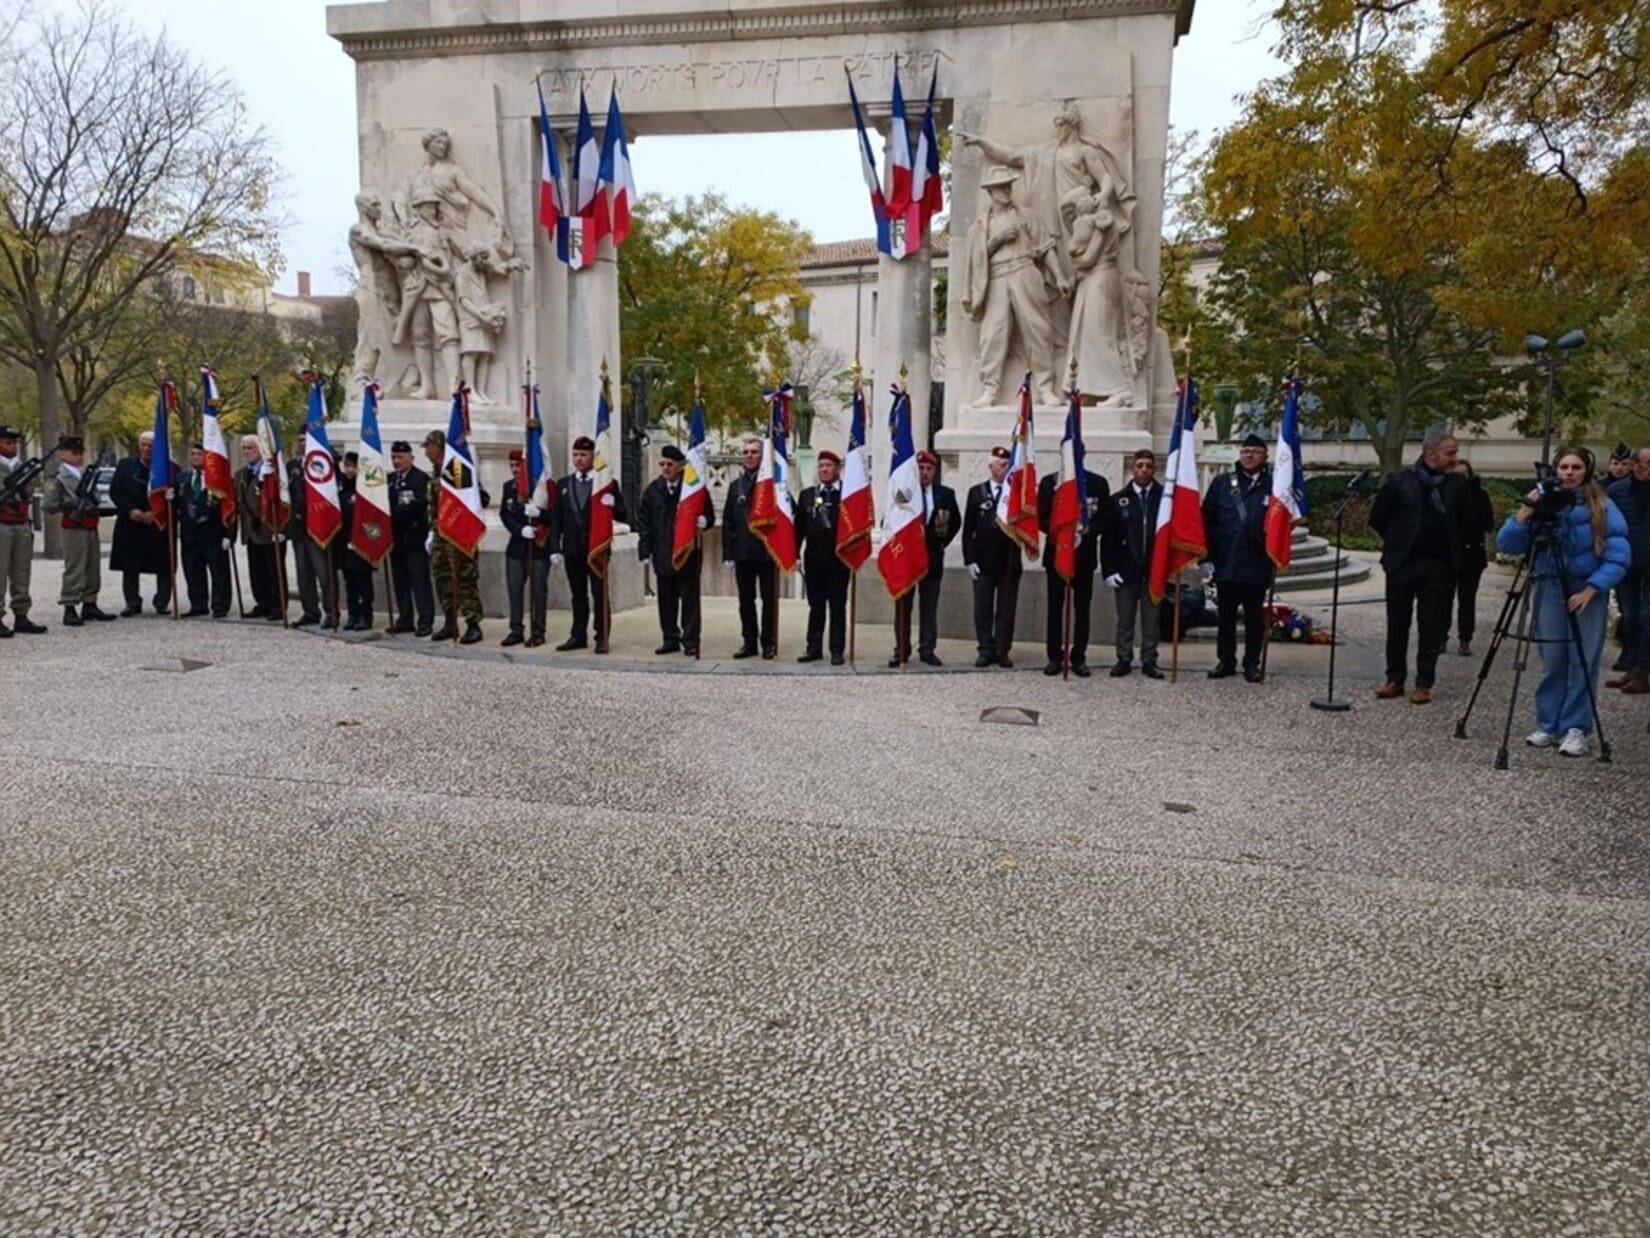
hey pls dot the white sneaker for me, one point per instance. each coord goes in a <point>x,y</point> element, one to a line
<point>1575,743</point>
<point>1541,739</point>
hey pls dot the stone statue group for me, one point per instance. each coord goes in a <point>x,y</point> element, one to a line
<point>430,261</point>
<point>1052,247</point>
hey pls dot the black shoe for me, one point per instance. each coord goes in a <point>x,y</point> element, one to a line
<point>445,632</point>
<point>669,646</point>
<point>162,607</point>
<point>194,612</point>
<point>809,655</point>
<point>745,651</point>
<point>307,621</point>
<point>5,632</point>
<point>513,639</point>
<point>930,658</point>
<point>1150,671</point>
<point>1623,663</point>
<point>472,634</point>
<point>257,612</point>
<point>601,647</point>
<point>273,617</point>
<point>535,640</point>
<point>71,617</point>
<point>837,659</point>
<point>1052,668</point>
<point>132,610</point>
<point>1223,670</point>
<point>24,626</point>
<point>572,642</point>
<point>220,614</point>
<point>894,663</point>
<point>691,651</point>
<point>1081,670</point>
<point>91,612</point>
<point>1120,669</point>
<point>1006,663</point>
<point>983,661</point>
<point>400,629</point>
<point>1252,676</point>
<point>422,629</point>
<point>768,655</point>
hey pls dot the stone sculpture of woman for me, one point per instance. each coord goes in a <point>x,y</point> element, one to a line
<point>442,178</point>
<point>1098,338</point>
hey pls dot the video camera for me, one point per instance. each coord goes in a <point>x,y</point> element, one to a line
<point>1551,498</point>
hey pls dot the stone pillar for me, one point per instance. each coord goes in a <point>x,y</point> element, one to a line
<point>592,337</point>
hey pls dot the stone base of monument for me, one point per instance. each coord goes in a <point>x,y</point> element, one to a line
<point>956,613</point>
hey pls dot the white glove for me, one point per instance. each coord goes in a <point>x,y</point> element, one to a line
<point>228,542</point>
<point>557,560</point>
<point>531,511</point>
<point>429,542</point>
<point>607,500</point>
<point>727,562</point>
<point>973,571</point>
<point>699,522</point>
<point>1114,581</point>
<point>280,539</point>
<point>525,532</point>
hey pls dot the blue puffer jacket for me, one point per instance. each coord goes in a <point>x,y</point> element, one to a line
<point>1633,497</point>
<point>1582,565</point>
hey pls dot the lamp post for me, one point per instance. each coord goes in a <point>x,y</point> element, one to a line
<point>1549,357</point>
<point>645,374</point>
<point>1226,395</point>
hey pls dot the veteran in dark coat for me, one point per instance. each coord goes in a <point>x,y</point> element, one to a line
<point>753,568</point>
<point>205,542</point>
<point>995,562</point>
<point>410,549</point>
<point>1125,562</point>
<point>942,522</point>
<point>1096,520</point>
<point>676,588</point>
<point>1234,521</point>
<point>139,546</point>
<point>826,576</point>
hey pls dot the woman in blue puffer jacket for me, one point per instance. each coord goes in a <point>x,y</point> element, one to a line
<point>1592,559</point>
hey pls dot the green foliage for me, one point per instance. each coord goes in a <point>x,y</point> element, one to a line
<point>708,289</point>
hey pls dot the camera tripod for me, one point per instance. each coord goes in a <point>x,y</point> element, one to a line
<point>1514,622</point>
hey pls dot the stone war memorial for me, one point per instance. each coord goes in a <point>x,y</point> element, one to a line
<point>1059,116</point>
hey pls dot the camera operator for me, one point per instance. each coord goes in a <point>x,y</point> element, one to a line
<point>1581,553</point>
<point>1632,495</point>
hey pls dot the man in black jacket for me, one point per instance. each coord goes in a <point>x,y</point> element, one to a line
<point>676,588</point>
<point>205,542</point>
<point>941,522</point>
<point>1234,521</point>
<point>1477,522</point>
<point>139,546</point>
<point>532,533</point>
<point>1096,518</point>
<point>572,524</point>
<point>1418,515</point>
<point>753,568</point>
<point>410,549</point>
<point>355,569</point>
<point>995,563</point>
<point>1632,496</point>
<point>825,575</point>
<point>317,585</point>
<point>1126,557</point>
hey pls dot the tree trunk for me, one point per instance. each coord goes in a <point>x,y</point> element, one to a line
<point>45,379</point>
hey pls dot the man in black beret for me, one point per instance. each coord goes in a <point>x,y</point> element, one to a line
<point>16,539</point>
<point>572,523</point>
<point>677,588</point>
<point>1234,520</point>
<point>410,546</point>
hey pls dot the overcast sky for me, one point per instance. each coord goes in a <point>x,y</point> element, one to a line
<point>299,84</point>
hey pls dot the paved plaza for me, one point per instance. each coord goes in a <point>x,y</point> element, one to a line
<point>299,934</point>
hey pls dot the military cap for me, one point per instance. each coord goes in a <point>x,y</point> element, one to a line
<point>10,432</point>
<point>1253,440</point>
<point>401,444</point>
<point>1622,452</point>
<point>670,451</point>
<point>352,457</point>
<point>584,443</point>
<point>437,438</point>
<point>999,453</point>
<point>831,456</point>
<point>70,442</point>
<point>515,454</point>
<point>928,457</point>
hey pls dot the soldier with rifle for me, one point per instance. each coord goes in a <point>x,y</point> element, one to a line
<point>17,478</point>
<point>73,495</point>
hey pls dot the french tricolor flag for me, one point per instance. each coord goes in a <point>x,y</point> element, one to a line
<point>868,169</point>
<point>370,534</point>
<point>603,487</point>
<point>323,514</point>
<point>927,191</point>
<point>1017,505</point>
<point>857,511</point>
<point>898,195</point>
<point>1071,492</point>
<point>1180,539</point>
<point>1288,502</point>
<point>220,474</point>
<point>552,194</point>
<point>590,222</point>
<point>458,515</point>
<point>903,558</point>
<point>161,474</point>
<point>616,180</point>
<point>695,498</point>
<point>772,517</point>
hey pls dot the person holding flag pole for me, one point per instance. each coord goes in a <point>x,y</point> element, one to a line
<point>274,499</point>
<point>323,512</point>
<point>458,523</point>
<point>525,511</point>
<point>219,474</point>
<point>1180,539</point>
<point>1074,507</point>
<point>1287,505</point>
<point>163,484</point>
<point>371,532</point>
<point>857,511</point>
<point>772,511</point>
<point>584,503</point>
<point>693,514</point>
<point>903,557</point>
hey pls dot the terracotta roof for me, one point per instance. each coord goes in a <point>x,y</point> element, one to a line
<point>864,249</point>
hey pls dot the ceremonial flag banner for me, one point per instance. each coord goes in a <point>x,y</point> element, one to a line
<point>220,474</point>
<point>552,194</point>
<point>868,169</point>
<point>927,191</point>
<point>898,195</point>
<point>1071,492</point>
<point>1180,539</point>
<point>857,510</point>
<point>537,489</point>
<point>903,558</point>
<point>458,515</point>
<point>1017,505</point>
<point>371,535</point>
<point>160,458</point>
<point>1288,501</point>
<point>694,501</point>
<point>616,181</point>
<point>603,489</point>
<point>772,516</point>
<point>323,516</point>
<point>273,495</point>
<point>590,223</point>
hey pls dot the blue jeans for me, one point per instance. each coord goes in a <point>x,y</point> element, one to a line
<point>1562,697</point>
<point>1634,596</point>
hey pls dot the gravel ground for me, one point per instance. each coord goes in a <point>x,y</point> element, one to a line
<point>321,937</point>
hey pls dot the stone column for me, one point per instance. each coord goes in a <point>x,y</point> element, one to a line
<point>592,337</point>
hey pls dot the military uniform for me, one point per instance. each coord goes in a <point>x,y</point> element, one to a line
<point>825,576</point>
<point>526,563</point>
<point>997,584</point>
<point>16,540</point>
<point>1234,521</point>
<point>941,524</point>
<point>1126,557</point>
<point>753,568</point>
<point>204,547</point>
<point>572,524</point>
<point>356,571</point>
<point>676,588</point>
<point>317,580</point>
<point>262,551</point>
<point>451,568</point>
<point>1096,520</point>
<point>82,555</point>
<point>409,550</point>
<point>138,548</point>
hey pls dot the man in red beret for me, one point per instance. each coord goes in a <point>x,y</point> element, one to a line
<point>826,575</point>
<point>941,524</point>
<point>994,561</point>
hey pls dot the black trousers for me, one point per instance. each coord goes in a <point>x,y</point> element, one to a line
<point>678,597</point>
<point>260,571</point>
<point>827,588</point>
<point>204,561</point>
<point>1231,597</point>
<point>588,596</point>
<point>131,585</point>
<point>516,584</point>
<point>1082,594</point>
<point>750,577</point>
<point>925,600</point>
<point>317,588</point>
<point>1466,603</point>
<point>1425,587</point>
<point>995,597</point>
<point>410,576</point>
<point>358,594</point>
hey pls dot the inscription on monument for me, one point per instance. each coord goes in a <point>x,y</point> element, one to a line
<point>750,73</point>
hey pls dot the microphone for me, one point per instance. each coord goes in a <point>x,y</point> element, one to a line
<point>1358,480</point>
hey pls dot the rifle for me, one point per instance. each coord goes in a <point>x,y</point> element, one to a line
<point>22,477</point>
<point>85,495</point>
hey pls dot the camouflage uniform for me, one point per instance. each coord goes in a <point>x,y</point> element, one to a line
<point>444,560</point>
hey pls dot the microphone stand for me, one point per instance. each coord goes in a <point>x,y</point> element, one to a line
<point>1329,702</point>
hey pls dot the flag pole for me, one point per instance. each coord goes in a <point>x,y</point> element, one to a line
<point>853,612</point>
<point>332,589</point>
<point>528,556</point>
<point>1174,656</point>
<point>276,548</point>
<point>1077,534</point>
<point>699,551</point>
<point>235,571</point>
<point>171,509</point>
<point>1266,623</point>
<point>389,590</point>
